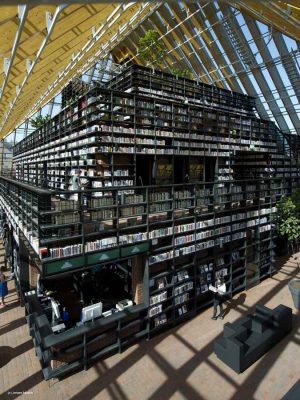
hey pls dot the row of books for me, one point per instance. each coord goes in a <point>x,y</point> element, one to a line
<point>58,144</point>
<point>133,238</point>
<point>102,214</point>
<point>204,268</point>
<point>62,205</point>
<point>169,151</point>
<point>155,310</point>
<point>110,183</point>
<point>58,252</point>
<point>265,228</point>
<point>101,244</point>
<point>160,320</point>
<point>160,207</point>
<point>183,203</point>
<point>68,218</point>
<point>193,248</point>
<point>182,194</point>
<point>192,100</point>
<point>183,288</point>
<point>131,211</point>
<point>181,298</point>
<point>191,238</point>
<point>154,142</point>
<point>133,199</point>
<point>187,227</point>
<point>101,202</point>
<point>82,142</point>
<point>162,296</point>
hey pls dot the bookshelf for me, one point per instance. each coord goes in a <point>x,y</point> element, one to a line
<point>176,174</point>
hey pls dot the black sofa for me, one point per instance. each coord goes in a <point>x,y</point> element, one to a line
<point>247,339</point>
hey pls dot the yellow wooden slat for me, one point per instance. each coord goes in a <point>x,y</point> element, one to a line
<point>273,13</point>
<point>71,33</point>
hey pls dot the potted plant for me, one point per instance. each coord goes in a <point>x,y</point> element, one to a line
<point>294,287</point>
<point>288,226</point>
<point>288,222</point>
<point>151,50</point>
<point>182,73</point>
<point>39,121</point>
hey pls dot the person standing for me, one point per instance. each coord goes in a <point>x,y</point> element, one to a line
<point>219,291</point>
<point>3,288</point>
<point>75,181</point>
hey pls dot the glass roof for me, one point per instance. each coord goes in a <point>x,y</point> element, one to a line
<point>245,47</point>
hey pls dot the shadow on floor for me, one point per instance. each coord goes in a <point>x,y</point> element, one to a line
<point>17,323</point>
<point>25,386</point>
<point>293,393</point>
<point>9,306</point>
<point>248,388</point>
<point>7,353</point>
<point>10,291</point>
<point>177,379</point>
<point>234,303</point>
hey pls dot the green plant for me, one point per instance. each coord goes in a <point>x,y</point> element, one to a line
<point>288,219</point>
<point>183,73</point>
<point>72,100</point>
<point>296,201</point>
<point>150,49</point>
<point>39,120</point>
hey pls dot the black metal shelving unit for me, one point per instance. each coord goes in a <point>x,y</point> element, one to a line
<point>181,174</point>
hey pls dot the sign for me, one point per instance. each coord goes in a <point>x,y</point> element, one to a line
<point>63,265</point>
<point>103,256</point>
<point>136,249</point>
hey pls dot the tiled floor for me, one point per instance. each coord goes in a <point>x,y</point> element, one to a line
<point>179,364</point>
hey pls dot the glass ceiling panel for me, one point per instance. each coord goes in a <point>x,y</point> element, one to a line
<point>290,43</point>
<point>273,95</point>
<point>248,58</point>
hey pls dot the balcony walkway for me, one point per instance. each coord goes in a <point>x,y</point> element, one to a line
<point>179,364</point>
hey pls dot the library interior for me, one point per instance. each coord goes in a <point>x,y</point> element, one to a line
<point>149,155</point>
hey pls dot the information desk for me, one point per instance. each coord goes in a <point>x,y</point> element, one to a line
<point>75,348</point>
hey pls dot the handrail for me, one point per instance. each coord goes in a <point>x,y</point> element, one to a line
<point>53,339</point>
<point>26,186</point>
<point>35,189</point>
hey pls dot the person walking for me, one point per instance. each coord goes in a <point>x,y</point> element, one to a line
<point>219,291</point>
<point>3,288</point>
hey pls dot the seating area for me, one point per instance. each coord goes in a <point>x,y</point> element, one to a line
<point>247,339</point>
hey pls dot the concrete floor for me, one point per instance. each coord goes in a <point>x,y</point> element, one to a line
<point>179,364</point>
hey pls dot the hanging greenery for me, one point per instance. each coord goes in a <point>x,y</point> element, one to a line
<point>151,49</point>
<point>39,120</point>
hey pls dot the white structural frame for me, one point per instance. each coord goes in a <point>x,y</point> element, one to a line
<point>8,62</point>
<point>50,29</point>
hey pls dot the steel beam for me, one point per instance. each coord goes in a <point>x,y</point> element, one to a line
<point>211,14</point>
<point>195,44</point>
<point>58,11</point>
<point>182,42</point>
<point>198,23</point>
<point>266,55</point>
<point>8,63</point>
<point>155,23</point>
<point>289,63</point>
<point>102,52</point>
<point>261,80</point>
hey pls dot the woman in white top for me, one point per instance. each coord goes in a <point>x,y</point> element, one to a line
<point>219,290</point>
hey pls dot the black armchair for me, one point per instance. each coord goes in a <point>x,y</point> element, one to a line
<point>247,339</point>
